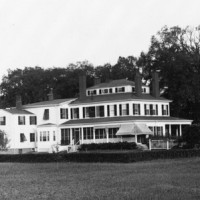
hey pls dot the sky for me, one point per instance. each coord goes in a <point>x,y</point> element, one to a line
<point>55,33</point>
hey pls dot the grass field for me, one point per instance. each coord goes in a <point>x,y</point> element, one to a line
<point>160,179</point>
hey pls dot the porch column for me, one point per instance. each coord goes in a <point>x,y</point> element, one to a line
<point>135,138</point>
<point>170,129</point>
<point>70,132</point>
<point>180,130</point>
<point>93,135</point>
<point>164,134</point>
<point>81,135</point>
<point>107,139</point>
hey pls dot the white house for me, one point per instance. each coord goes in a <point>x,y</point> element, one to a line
<point>117,110</point>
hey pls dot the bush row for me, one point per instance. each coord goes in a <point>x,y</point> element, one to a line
<point>108,146</point>
<point>123,157</point>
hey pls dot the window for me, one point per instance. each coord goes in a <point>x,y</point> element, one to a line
<point>46,114</point>
<point>74,113</point>
<point>65,136</point>
<point>88,112</point>
<point>165,110</point>
<point>21,120</point>
<point>91,92</point>
<point>54,136</point>
<point>88,133</point>
<point>100,111</point>
<point>124,109</point>
<point>100,133</point>
<point>110,90</point>
<point>147,109</point>
<point>104,91</point>
<point>63,113</point>
<point>22,137</point>
<point>33,120</point>
<point>32,137</point>
<point>2,120</point>
<point>153,109</point>
<point>136,109</point>
<point>112,132</point>
<point>133,89</point>
<point>112,110</point>
<point>44,136</point>
<point>158,131</point>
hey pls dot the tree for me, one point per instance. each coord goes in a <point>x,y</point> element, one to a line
<point>3,140</point>
<point>175,52</point>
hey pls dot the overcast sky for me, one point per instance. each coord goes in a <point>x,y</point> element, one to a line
<point>49,33</point>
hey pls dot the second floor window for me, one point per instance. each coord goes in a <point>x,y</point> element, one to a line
<point>124,109</point>
<point>63,113</point>
<point>136,109</point>
<point>165,110</point>
<point>33,120</point>
<point>46,114</point>
<point>112,110</point>
<point>21,120</point>
<point>74,113</point>
<point>100,111</point>
<point>151,109</point>
<point>2,120</point>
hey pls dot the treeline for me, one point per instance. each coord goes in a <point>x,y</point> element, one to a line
<point>174,52</point>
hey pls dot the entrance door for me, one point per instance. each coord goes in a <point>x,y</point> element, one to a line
<point>76,135</point>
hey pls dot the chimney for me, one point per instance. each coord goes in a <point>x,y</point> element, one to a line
<point>155,85</point>
<point>138,84</point>
<point>19,102</point>
<point>97,81</point>
<point>50,95</point>
<point>82,85</point>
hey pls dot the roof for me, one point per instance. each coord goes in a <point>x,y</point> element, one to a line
<point>113,83</point>
<point>48,103</point>
<point>134,129</point>
<point>18,111</point>
<point>122,119</point>
<point>117,97</point>
<point>47,124</point>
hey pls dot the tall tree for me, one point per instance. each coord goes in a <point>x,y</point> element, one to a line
<point>175,52</point>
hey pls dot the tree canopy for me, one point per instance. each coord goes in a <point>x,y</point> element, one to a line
<point>173,51</point>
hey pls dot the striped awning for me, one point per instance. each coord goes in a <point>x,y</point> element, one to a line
<point>134,129</point>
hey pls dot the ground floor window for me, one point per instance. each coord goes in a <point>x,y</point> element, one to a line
<point>100,133</point>
<point>88,133</point>
<point>112,132</point>
<point>32,137</point>
<point>44,136</point>
<point>65,136</point>
<point>22,137</point>
<point>157,130</point>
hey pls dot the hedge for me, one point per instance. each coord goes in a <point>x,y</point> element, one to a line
<point>108,146</point>
<point>123,157</point>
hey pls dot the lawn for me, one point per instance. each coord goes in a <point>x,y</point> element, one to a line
<point>160,179</point>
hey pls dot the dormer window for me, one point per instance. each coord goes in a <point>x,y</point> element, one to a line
<point>133,89</point>
<point>91,92</point>
<point>144,90</point>
<point>120,89</point>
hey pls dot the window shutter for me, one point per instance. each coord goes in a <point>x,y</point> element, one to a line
<point>127,109</point>
<point>151,109</point>
<point>139,109</point>
<point>110,90</point>
<point>83,112</point>
<point>145,109</point>
<point>71,113</point>
<point>120,109</point>
<point>115,90</point>
<point>167,110</point>
<point>108,110</point>
<point>156,109</point>
<point>99,91</point>
<point>115,110</point>
<point>78,113</point>
<point>162,109</point>
<point>123,89</point>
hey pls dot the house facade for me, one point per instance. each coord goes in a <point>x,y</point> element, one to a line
<point>114,111</point>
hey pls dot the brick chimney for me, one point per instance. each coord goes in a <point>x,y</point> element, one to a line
<point>155,85</point>
<point>138,84</point>
<point>18,102</point>
<point>82,85</point>
<point>97,81</point>
<point>50,95</point>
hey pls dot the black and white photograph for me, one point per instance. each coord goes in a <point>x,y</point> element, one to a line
<point>99,99</point>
